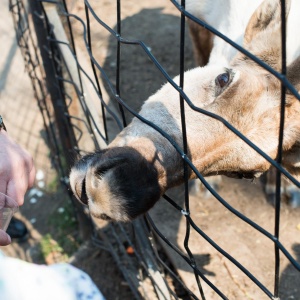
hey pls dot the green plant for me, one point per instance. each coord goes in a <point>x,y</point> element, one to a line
<point>53,185</point>
<point>61,241</point>
<point>51,251</point>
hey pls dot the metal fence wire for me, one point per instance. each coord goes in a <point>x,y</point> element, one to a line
<point>81,118</point>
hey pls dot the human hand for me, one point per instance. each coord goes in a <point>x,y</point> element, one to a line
<point>4,238</point>
<point>17,173</point>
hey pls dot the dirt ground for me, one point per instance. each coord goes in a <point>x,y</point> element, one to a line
<point>157,23</point>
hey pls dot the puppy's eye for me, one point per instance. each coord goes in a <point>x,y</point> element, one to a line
<point>223,79</point>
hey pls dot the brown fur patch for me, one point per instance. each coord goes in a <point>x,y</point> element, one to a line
<point>202,43</point>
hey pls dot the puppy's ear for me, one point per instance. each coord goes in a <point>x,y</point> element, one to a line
<point>263,34</point>
<point>267,17</point>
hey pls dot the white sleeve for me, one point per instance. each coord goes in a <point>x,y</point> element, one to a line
<point>20,280</point>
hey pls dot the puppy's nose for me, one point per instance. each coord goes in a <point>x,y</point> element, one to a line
<point>80,192</point>
<point>105,217</point>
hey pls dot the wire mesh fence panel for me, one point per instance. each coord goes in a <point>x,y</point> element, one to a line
<point>68,97</point>
<point>200,241</point>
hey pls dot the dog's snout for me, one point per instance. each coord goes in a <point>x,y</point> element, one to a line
<point>116,183</point>
<point>78,179</point>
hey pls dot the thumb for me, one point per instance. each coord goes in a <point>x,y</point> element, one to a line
<point>4,238</point>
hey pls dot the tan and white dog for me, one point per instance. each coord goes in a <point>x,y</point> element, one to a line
<point>126,179</point>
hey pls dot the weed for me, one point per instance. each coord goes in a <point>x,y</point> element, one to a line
<point>62,240</point>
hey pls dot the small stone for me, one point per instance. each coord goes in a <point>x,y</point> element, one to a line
<point>33,200</point>
<point>39,175</point>
<point>39,193</point>
<point>41,184</point>
<point>61,210</point>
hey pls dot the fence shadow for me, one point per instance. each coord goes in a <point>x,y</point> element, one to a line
<point>139,78</point>
<point>289,285</point>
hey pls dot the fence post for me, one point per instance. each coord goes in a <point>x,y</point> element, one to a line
<point>66,136</point>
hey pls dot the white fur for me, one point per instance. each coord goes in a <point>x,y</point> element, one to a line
<point>230,17</point>
<point>293,36</point>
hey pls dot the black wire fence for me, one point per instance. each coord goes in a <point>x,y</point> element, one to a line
<point>83,105</point>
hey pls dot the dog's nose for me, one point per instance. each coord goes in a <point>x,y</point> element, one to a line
<point>105,217</point>
<point>80,192</point>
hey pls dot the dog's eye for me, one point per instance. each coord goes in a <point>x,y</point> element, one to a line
<point>223,79</point>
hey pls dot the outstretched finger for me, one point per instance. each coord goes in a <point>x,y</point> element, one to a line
<point>4,238</point>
